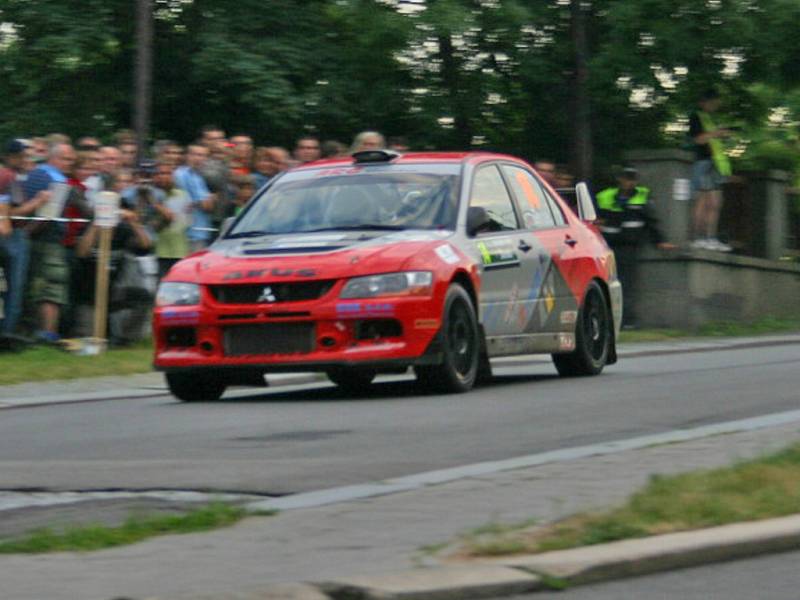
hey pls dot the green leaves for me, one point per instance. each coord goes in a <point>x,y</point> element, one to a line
<point>495,74</point>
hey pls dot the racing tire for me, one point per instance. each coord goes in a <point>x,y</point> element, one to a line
<point>351,379</point>
<point>594,332</point>
<point>195,387</point>
<point>461,347</point>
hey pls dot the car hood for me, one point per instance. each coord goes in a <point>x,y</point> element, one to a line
<point>328,255</point>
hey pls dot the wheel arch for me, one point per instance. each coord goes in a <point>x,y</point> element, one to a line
<point>464,280</point>
<point>612,351</point>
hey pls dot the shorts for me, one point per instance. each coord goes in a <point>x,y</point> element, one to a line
<point>705,177</point>
<point>49,273</point>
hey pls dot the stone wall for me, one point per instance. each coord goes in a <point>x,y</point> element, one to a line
<point>685,290</point>
<point>688,288</point>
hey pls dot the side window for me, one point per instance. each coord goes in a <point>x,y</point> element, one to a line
<point>533,199</point>
<point>554,208</point>
<point>489,192</point>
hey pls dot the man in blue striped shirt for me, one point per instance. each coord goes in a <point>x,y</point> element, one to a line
<point>189,179</point>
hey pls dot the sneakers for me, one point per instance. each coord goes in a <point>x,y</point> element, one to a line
<point>710,244</point>
<point>715,244</point>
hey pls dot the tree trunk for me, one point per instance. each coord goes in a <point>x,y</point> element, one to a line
<point>451,78</point>
<point>582,155</point>
<point>143,76</point>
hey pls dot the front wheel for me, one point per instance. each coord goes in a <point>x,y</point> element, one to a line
<point>593,334</point>
<point>461,346</point>
<point>195,387</point>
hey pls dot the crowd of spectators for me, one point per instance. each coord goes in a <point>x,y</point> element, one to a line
<point>172,201</point>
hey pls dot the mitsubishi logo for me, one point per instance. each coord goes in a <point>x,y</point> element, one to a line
<point>267,295</point>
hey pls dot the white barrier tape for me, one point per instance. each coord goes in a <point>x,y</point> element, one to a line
<point>66,220</point>
<point>54,219</point>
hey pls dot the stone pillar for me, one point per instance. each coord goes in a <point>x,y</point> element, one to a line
<point>667,173</point>
<point>769,193</point>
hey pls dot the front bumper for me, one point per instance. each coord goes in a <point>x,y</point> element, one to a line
<point>383,333</point>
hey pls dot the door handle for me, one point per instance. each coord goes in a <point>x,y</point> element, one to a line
<point>570,242</point>
<point>524,246</point>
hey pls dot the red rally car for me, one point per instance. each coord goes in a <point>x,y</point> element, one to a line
<point>380,262</point>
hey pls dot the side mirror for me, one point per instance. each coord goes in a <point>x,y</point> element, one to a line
<point>477,219</point>
<point>225,227</point>
<point>586,210</point>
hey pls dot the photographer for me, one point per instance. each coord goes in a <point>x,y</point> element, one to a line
<point>166,211</point>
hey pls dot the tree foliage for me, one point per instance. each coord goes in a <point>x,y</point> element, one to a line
<point>495,74</point>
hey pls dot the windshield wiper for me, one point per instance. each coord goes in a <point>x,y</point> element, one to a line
<point>246,234</point>
<point>360,226</point>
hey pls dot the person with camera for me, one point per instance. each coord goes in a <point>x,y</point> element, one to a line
<point>170,214</point>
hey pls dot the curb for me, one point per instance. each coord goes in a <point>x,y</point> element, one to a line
<point>628,558</point>
<point>150,391</point>
<point>440,583</point>
<point>512,576</point>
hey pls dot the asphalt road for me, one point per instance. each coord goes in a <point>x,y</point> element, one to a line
<point>773,577</point>
<point>284,441</point>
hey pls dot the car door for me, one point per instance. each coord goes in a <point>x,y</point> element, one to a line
<point>506,257</point>
<point>554,305</point>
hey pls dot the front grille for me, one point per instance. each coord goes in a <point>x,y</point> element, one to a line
<point>270,338</point>
<point>271,293</point>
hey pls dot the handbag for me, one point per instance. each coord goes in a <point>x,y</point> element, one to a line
<point>130,284</point>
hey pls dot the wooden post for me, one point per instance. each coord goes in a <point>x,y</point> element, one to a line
<point>101,285</point>
<point>106,215</point>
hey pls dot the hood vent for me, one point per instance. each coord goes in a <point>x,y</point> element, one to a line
<point>293,250</point>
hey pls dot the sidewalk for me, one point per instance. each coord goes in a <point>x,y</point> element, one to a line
<point>152,384</point>
<point>348,540</point>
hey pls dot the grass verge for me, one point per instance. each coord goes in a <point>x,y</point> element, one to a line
<point>714,329</point>
<point>135,529</point>
<point>762,488</point>
<point>43,363</point>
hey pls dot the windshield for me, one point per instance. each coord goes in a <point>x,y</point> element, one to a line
<point>380,197</point>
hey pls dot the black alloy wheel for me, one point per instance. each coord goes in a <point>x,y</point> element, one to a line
<point>594,332</point>
<point>461,346</point>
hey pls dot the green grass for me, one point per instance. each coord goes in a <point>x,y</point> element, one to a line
<point>747,491</point>
<point>135,529</point>
<point>762,326</point>
<point>713,329</point>
<point>43,363</point>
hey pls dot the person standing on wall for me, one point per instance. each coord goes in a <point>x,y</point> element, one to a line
<point>628,223</point>
<point>710,171</point>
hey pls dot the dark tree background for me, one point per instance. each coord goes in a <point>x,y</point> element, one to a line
<point>519,76</point>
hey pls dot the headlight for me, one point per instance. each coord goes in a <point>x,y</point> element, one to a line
<point>172,293</point>
<point>409,283</point>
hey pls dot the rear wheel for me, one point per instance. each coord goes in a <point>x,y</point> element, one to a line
<point>593,335</point>
<point>461,346</point>
<point>351,379</point>
<point>195,387</point>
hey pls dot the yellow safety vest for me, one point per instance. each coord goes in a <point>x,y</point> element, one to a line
<point>718,155</point>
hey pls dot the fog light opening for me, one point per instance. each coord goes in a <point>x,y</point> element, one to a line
<point>180,337</point>
<point>377,329</point>
<point>327,341</point>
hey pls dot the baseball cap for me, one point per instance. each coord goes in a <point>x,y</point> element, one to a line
<point>14,147</point>
<point>629,173</point>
